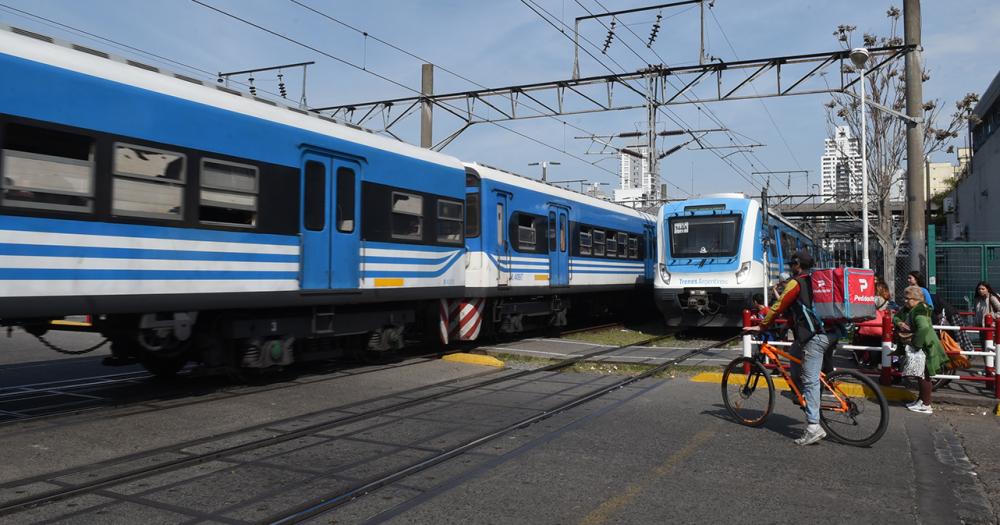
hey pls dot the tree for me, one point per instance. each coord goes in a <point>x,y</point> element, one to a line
<point>886,135</point>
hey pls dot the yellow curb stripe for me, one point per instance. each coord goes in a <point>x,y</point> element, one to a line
<point>62,322</point>
<point>891,394</point>
<point>474,359</point>
<point>998,409</point>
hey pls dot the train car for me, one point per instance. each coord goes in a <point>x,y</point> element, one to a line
<point>196,222</point>
<point>712,260</point>
<point>535,249</point>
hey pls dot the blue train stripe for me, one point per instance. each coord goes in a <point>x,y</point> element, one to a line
<point>373,259</point>
<point>414,274</point>
<point>106,229</point>
<point>34,274</point>
<point>37,250</point>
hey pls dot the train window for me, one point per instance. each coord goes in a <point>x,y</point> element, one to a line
<point>148,182</point>
<point>705,236</point>
<point>633,247</point>
<point>562,234</point>
<point>47,169</point>
<point>345,200</point>
<point>623,243</point>
<point>228,193</point>
<point>471,215</point>
<point>611,245</point>
<point>787,245</point>
<point>552,231</point>
<point>527,233</point>
<point>599,243</point>
<point>314,196</point>
<point>586,242</point>
<point>407,216</point>
<point>500,228</point>
<point>449,224</point>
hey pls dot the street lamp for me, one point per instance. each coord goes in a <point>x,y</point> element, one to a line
<point>859,56</point>
<point>545,165</point>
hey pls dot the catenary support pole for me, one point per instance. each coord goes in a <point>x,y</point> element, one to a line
<point>916,198</point>
<point>426,107</point>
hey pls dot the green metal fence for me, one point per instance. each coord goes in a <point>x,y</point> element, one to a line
<point>957,267</point>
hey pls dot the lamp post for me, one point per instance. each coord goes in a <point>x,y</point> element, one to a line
<point>859,56</point>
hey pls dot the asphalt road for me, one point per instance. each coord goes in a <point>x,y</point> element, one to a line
<point>659,451</point>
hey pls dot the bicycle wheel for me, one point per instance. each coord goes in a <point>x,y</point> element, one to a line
<point>748,391</point>
<point>867,414</point>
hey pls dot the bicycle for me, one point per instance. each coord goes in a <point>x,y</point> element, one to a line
<point>853,409</point>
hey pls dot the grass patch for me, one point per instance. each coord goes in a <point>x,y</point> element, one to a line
<point>606,368</point>
<point>618,336</point>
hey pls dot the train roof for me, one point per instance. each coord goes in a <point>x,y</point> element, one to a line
<point>508,177</point>
<point>43,49</point>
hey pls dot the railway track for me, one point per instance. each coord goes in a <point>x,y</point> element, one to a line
<point>46,401</point>
<point>327,422</point>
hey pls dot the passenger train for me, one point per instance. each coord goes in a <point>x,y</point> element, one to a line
<point>711,258</point>
<point>195,222</point>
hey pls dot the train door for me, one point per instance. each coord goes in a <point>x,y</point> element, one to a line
<point>331,237</point>
<point>558,244</point>
<point>502,240</point>
<point>649,255</point>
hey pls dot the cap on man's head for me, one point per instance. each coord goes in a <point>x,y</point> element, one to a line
<point>802,258</point>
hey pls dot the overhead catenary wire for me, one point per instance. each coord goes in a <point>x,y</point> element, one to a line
<point>671,116</point>
<point>709,112</point>
<point>120,45</point>
<point>399,49</point>
<point>387,79</point>
<point>763,104</point>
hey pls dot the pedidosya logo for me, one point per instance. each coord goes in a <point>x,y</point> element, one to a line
<point>861,296</point>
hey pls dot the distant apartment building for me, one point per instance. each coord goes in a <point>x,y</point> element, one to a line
<point>974,214</point>
<point>840,166</point>
<point>639,187</point>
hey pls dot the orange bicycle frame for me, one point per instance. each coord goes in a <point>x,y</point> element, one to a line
<point>775,354</point>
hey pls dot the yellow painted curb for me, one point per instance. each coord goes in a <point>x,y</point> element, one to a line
<point>998,409</point>
<point>891,394</point>
<point>474,359</point>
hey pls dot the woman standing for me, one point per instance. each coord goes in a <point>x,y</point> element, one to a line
<point>985,303</point>
<point>916,278</point>
<point>915,318</point>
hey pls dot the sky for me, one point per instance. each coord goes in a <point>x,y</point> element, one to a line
<point>506,42</point>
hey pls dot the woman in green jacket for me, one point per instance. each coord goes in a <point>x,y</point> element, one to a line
<point>915,317</point>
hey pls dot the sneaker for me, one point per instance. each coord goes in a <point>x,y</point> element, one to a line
<point>920,408</point>
<point>812,434</point>
<point>915,403</point>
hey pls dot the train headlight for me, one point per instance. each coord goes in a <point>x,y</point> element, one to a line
<point>743,272</point>
<point>664,274</point>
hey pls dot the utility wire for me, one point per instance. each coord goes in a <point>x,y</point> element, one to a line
<point>366,34</point>
<point>162,59</point>
<point>709,112</point>
<point>675,119</point>
<point>387,79</point>
<point>762,103</point>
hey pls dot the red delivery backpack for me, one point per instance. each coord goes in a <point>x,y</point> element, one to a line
<point>842,295</point>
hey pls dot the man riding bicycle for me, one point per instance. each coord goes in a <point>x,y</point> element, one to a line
<point>812,343</point>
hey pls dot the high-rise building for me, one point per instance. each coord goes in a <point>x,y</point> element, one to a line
<point>638,186</point>
<point>840,169</point>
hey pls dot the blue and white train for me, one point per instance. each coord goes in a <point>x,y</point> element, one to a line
<point>194,222</point>
<point>711,258</point>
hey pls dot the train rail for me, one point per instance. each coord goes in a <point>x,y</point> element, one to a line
<point>180,456</point>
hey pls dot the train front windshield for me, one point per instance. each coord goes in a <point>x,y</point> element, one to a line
<point>705,236</point>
